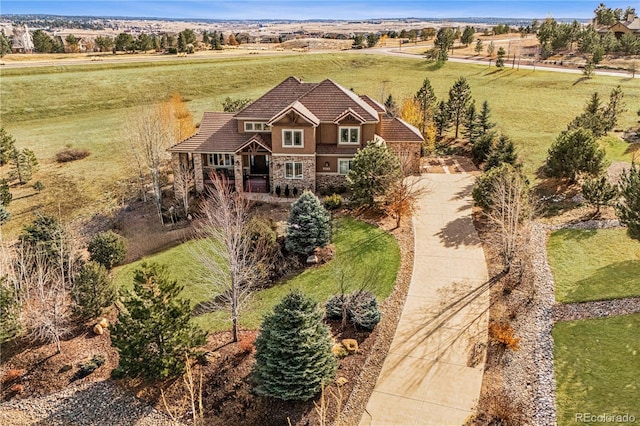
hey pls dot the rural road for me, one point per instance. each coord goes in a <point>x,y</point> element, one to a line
<point>433,372</point>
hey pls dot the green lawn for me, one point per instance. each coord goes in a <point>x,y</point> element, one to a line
<point>360,248</point>
<point>88,106</point>
<point>594,264</point>
<point>596,367</point>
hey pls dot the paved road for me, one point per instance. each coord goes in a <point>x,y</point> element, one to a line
<point>433,373</point>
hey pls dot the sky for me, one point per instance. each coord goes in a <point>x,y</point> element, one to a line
<point>312,9</point>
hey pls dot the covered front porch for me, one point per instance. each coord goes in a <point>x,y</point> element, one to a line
<point>252,167</point>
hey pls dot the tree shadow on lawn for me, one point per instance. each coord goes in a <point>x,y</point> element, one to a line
<point>619,276</point>
<point>575,234</point>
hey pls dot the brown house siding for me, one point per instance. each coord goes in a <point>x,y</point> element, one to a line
<point>308,142</point>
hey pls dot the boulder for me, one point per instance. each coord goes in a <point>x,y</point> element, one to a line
<point>97,329</point>
<point>341,381</point>
<point>351,345</point>
<point>104,323</point>
<point>339,351</point>
<point>313,260</point>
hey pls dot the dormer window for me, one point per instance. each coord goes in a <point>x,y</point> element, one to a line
<point>349,135</point>
<point>256,126</point>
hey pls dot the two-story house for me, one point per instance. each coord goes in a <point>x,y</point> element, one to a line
<point>301,135</point>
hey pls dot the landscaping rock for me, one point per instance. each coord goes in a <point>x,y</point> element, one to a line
<point>97,329</point>
<point>341,381</point>
<point>339,350</point>
<point>103,322</point>
<point>351,345</point>
<point>313,260</point>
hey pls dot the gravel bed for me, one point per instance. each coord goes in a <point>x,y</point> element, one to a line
<point>391,310</point>
<point>598,309</point>
<point>587,224</point>
<point>92,404</point>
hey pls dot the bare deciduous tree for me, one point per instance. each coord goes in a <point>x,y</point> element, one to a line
<point>234,262</point>
<point>510,214</point>
<point>182,183</point>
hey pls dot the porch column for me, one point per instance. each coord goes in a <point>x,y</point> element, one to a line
<point>197,170</point>
<point>237,172</point>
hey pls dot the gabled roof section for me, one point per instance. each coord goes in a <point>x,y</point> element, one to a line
<point>299,109</point>
<point>258,139</point>
<point>350,115</point>
<point>276,99</point>
<point>328,99</point>
<point>397,130</point>
<point>212,122</point>
<point>374,104</point>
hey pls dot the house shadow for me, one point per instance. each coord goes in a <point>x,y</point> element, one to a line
<point>101,404</point>
<point>571,234</point>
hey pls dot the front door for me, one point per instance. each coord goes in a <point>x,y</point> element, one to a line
<point>259,165</point>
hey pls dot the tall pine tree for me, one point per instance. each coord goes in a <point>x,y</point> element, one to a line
<point>459,100</point>
<point>293,350</point>
<point>153,334</point>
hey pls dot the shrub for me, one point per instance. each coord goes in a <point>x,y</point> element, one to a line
<point>628,208</point>
<point>501,333</point>
<point>246,343</point>
<point>598,192</point>
<point>38,186</point>
<point>334,306</point>
<point>71,154</point>
<point>293,350</point>
<point>278,190</point>
<point>107,248</point>
<point>485,183</point>
<point>89,367</point>
<point>333,201</point>
<point>92,290</point>
<point>5,193</point>
<point>309,225</point>
<point>9,312</point>
<point>575,152</point>
<point>12,375</point>
<point>154,334</point>
<point>363,310</point>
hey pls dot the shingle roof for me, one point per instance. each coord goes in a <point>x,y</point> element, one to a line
<point>276,99</point>
<point>300,109</point>
<point>324,149</point>
<point>218,132</point>
<point>327,100</point>
<point>397,130</point>
<point>374,104</point>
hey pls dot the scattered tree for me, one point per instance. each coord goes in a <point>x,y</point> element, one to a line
<point>628,208</point>
<point>375,170</point>
<point>293,350</point>
<point>108,249</point>
<point>458,103</point>
<point>575,152</point>
<point>504,151</point>
<point>5,45</point>
<point>443,42</point>
<point>309,225</point>
<point>372,39</point>
<point>491,49</point>
<point>154,335</point>
<point>479,47</point>
<point>598,192</point>
<point>92,291</point>
<point>5,193</point>
<point>467,36</point>
<point>390,106</point>
<point>23,164</point>
<point>500,58</point>
<point>10,325</point>
<point>7,146</point>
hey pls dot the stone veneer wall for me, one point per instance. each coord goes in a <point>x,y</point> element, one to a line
<point>197,170</point>
<point>410,149</point>
<point>308,180</point>
<point>323,181</point>
<point>237,173</point>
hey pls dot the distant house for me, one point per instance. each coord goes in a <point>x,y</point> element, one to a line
<point>630,26</point>
<point>301,135</point>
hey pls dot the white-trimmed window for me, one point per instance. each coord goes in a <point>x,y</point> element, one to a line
<point>349,135</point>
<point>220,160</point>
<point>253,126</point>
<point>293,170</point>
<point>293,138</point>
<point>344,165</point>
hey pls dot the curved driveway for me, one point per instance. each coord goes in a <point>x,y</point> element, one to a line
<point>433,372</point>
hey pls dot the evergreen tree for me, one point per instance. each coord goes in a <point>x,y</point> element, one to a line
<point>309,225</point>
<point>575,152</point>
<point>472,127</point>
<point>23,164</point>
<point>221,39</point>
<point>628,209</point>
<point>442,119</point>
<point>5,45</point>
<point>92,291</point>
<point>500,58</point>
<point>391,106</point>
<point>459,100</point>
<point>5,193</point>
<point>443,42</point>
<point>7,146</point>
<point>182,44</point>
<point>482,147</point>
<point>293,350</point>
<point>153,334</point>
<point>107,248</point>
<point>485,118</point>
<point>10,309</point>
<point>426,98</point>
<point>479,46</point>
<point>375,170</point>
<point>598,192</point>
<point>467,36</point>
<point>4,215</point>
<point>205,39</point>
<point>504,152</point>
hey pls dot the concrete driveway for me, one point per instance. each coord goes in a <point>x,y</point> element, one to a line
<point>433,372</point>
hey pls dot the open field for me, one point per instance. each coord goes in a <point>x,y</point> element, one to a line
<point>359,248</point>
<point>596,367</point>
<point>594,264</point>
<point>87,106</point>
